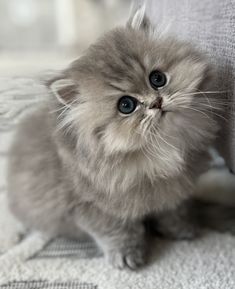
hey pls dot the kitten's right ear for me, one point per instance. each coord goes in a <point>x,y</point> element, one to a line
<point>139,20</point>
<point>64,89</point>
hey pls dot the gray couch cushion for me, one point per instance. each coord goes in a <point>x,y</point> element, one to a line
<point>210,24</point>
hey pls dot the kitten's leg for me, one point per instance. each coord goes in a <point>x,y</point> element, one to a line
<point>123,243</point>
<point>177,224</point>
<point>215,216</point>
<point>187,220</point>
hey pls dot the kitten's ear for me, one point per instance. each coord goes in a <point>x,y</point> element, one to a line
<point>64,89</point>
<point>139,20</point>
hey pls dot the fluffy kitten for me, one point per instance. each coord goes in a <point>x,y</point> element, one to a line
<point>123,134</point>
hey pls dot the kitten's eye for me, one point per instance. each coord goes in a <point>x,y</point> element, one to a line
<point>157,79</point>
<point>127,104</point>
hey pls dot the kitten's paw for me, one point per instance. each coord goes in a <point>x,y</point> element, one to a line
<point>132,257</point>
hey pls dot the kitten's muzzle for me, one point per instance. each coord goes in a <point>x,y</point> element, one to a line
<point>157,103</point>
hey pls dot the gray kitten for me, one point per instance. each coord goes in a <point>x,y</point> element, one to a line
<point>123,134</point>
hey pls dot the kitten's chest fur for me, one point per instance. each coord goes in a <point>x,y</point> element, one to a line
<point>128,187</point>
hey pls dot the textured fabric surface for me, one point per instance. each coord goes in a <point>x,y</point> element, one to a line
<point>210,24</point>
<point>16,96</point>
<point>47,285</point>
<point>69,248</point>
<point>206,263</point>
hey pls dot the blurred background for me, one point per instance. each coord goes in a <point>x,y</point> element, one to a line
<point>37,35</point>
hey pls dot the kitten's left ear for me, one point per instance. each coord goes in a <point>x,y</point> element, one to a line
<point>139,20</point>
<point>64,89</point>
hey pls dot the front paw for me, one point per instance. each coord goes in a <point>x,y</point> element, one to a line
<point>131,257</point>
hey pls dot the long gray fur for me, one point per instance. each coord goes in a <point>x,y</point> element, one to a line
<point>78,166</point>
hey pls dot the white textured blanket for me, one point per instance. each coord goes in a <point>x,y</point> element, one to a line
<point>33,261</point>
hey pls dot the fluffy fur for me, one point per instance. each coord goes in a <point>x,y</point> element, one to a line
<point>78,165</point>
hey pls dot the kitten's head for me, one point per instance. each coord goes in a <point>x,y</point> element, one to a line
<point>135,90</point>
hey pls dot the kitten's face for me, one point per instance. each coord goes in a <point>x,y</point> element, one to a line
<point>141,92</point>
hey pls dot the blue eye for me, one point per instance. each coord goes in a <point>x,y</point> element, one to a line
<point>157,79</point>
<point>127,104</point>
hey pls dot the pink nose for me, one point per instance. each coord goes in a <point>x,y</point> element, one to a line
<point>157,103</point>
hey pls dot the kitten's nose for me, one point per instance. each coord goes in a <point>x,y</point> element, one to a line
<point>157,103</point>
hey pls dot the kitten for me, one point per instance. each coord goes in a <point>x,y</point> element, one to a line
<point>123,134</point>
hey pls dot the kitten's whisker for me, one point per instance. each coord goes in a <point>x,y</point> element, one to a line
<point>145,123</point>
<point>166,135</point>
<point>213,108</point>
<point>209,106</point>
<point>149,149</point>
<point>205,92</point>
<point>203,112</point>
<point>147,153</point>
<point>181,94</point>
<point>66,121</point>
<point>222,102</point>
<point>216,114</point>
<point>154,139</point>
<point>161,132</point>
<point>66,108</point>
<point>57,110</point>
<point>194,109</point>
<point>63,106</point>
<point>159,135</point>
<point>146,150</point>
<point>182,101</point>
<point>63,111</point>
<point>174,95</point>
<point>218,107</point>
